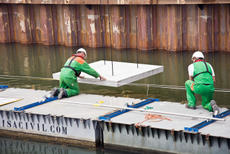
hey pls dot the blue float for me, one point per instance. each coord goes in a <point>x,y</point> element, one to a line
<point>3,87</point>
<point>202,124</point>
<point>107,117</point>
<point>48,99</point>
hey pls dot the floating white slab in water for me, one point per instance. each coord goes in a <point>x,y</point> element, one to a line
<point>123,73</point>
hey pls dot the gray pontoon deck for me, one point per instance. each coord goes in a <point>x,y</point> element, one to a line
<point>77,118</point>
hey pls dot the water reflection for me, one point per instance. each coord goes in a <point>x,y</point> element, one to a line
<point>42,61</point>
<point>13,146</point>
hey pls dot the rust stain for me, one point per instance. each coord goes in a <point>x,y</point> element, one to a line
<point>154,26</point>
<point>4,25</point>
<point>115,27</point>
<point>93,18</point>
<point>185,22</point>
<point>141,28</point>
<point>67,26</point>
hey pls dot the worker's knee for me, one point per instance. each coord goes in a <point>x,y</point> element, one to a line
<point>75,92</point>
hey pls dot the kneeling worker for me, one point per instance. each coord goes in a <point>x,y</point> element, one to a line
<point>72,69</point>
<point>201,81</point>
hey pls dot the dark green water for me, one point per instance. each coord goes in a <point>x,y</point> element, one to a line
<point>31,66</point>
<point>13,146</point>
<point>36,61</point>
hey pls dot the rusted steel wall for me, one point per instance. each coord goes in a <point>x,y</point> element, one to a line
<point>146,27</point>
<point>116,2</point>
<point>4,25</point>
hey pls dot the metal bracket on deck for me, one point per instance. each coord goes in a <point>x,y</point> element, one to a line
<point>202,124</point>
<point>107,117</point>
<point>3,87</point>
<point>49,99</point>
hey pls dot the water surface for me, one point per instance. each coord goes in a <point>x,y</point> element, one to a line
<point>15,146</point>
<point>31,66</point>
<point>38,62</point>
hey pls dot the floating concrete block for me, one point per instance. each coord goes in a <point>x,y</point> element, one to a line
<point>118,73</point>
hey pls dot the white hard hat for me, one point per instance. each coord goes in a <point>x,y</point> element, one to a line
<point>82,50</point>
<point>198,55</point>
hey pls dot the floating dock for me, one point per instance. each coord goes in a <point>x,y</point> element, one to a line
<point>147,124</point>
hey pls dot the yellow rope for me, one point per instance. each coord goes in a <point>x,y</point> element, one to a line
<point>11,102</point>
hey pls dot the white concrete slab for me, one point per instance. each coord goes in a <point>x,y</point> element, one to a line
<point>123,73</point>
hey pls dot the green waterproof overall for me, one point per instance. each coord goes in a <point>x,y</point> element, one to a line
<point>72,68</point>
<point>202,85</point>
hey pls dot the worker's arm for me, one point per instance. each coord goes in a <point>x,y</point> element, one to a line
<point>190,71</point>
<point>213,74</point>
<point>87,69</point>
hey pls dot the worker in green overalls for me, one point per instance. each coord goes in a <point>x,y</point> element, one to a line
<point>72,69</point>
<point>201,81</point>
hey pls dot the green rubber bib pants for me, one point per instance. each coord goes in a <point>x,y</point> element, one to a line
<point>202,85</point>
<point>68,77</point>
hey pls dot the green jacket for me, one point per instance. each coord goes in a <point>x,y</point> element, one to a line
<point>79,65</point>
<point>202,73</point>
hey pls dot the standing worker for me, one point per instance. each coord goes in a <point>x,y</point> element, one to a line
<point>72,69</point>
<point>201,81</point>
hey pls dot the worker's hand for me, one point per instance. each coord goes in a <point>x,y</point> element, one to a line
<point>102,78</point>
<point>82,77</point>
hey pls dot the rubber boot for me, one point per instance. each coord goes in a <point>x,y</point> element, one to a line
<point>62,94</point>
<point>190,107</point>
<point>214,108</point>
<point>54,92</point>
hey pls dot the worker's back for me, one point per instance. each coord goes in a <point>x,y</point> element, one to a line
<point>202,73</point>
<point>72,65</point>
